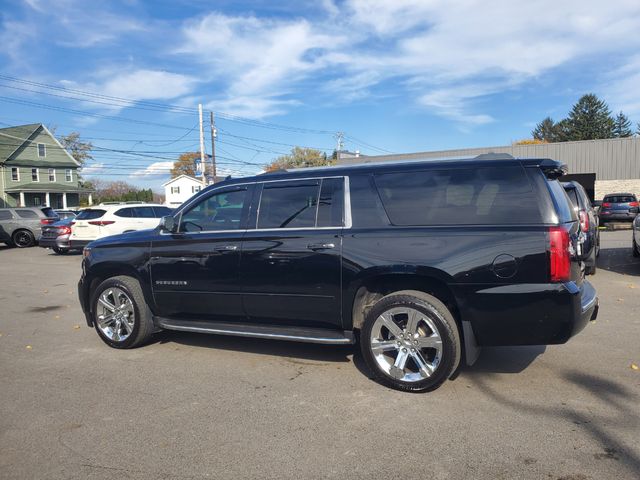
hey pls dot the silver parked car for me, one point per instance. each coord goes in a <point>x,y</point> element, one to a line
<point>22,226</point>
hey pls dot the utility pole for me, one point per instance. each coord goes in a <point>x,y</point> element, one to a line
<point>202,162</point>
<point>339,136</point>
<point>214,134</point>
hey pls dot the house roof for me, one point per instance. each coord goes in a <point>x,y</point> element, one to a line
<point>48,187</point>
<point>9,136</point>
<point>182,176</point>
<point>12,138</point>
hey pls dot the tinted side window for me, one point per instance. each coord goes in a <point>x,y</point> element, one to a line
<point>285,205</point>
<point>160,212</point>
<point>619,199</point>
<point>572,193</point>
<point>459,196</point>
<point>564,209</point>
<point>124,212</point>
<point>143,212</point>
<point>5,215</point>
<point>330,206</point>
<point>220,211</point>
<point>90,214</point>
<point>27,214</point>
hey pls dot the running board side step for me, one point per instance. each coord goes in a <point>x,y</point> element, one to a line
<point>273,332</point>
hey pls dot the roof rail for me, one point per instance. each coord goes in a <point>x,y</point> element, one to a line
<point>494,156</point>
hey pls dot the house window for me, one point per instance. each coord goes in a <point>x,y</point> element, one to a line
<point>175,190</point>
<point>35,175</point>
<point>52,174</point>
<point>15,174</point>
<point>195,188</point>
<point>68,176</point>
<point>42,150</point>
<point>36,201</point>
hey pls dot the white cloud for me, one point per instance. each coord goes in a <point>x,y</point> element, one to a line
<point>94,168</point>
<point>156,169</point>
<point>622,88</point>
<point>141,84</point>
<point>260,60</point>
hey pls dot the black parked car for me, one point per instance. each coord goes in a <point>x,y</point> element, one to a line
<point>56,236</point>
<point>425,260</point>
<point>619,207</point>
<point>590,238</point>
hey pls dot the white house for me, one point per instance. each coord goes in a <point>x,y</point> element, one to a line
<point>180,189</point>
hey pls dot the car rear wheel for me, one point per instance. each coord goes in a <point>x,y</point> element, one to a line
<point>120,314</point>
<point>634,248</point>
<point>410,341</point>
<point>23,238</point>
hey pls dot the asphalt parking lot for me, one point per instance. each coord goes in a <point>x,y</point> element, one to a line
<point>201,406</point>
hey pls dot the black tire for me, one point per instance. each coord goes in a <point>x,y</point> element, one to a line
<point>60,251</point>
<point>590,268</point>
<point>23,239</point>
<point>143,326</point>
<point>445,323</point>
<point>634,248</point>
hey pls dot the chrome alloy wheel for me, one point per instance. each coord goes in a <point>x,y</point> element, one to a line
<point>115,314</point>
<point>406,344</point>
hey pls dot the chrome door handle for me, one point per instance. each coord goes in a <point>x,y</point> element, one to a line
<point>321,246</point>
<point>226,248</point>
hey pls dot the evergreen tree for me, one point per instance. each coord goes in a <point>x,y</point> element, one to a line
<point>622,126</point>
<point>545,130</point>
<point>590,119</point>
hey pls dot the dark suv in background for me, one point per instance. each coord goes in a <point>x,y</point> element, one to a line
<point>590,235</point>
<point>422,262</point>
<point>619,207</point>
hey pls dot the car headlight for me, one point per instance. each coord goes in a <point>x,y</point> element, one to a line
<point>86,251</point>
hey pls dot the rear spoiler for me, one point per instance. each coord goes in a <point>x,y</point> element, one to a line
<point>553,169</point>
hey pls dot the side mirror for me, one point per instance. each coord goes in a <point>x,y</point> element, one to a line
<point>168,224</point>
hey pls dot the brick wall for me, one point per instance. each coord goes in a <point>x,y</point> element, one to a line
<point>605,187</point>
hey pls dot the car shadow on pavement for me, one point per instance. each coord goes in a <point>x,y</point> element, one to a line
<point>505,359</point>
<point>619,260</point>
<point>275,348</point>
<point>601,427</point>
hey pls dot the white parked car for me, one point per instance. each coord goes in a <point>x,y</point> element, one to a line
<point>109,219</point>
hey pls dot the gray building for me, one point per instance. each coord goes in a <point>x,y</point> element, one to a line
<point>602,166</point>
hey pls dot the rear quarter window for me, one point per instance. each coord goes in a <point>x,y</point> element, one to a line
<point>562,203</point>
<point>90,214</point>
<point>30,214</point>
<point>5,215</point>
<point>459,196</point>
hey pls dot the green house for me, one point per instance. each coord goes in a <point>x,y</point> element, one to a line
<point>35,170</point>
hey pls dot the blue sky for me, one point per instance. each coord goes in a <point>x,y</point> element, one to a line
<point>396,75</point>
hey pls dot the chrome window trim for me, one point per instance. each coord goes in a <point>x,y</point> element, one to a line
<point>347,219</point>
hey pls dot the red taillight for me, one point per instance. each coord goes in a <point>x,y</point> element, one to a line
<point>47,221</point>
<point>102,223</point>
<point>559,256</point>
<point>633,204</point>
<point>72,224</point>
<point>606,204</point>
<point>584,221</point>
<point>64,230</point>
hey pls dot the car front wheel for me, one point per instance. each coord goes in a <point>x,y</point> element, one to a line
<point>120,314</point>
<point>410,341</point>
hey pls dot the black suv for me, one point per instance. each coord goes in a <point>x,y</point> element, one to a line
<point>423,262</point>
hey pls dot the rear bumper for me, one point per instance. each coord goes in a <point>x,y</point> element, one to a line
<point>61,241</point>
<point>79,244</point>
<point>530,314</point>
<point>613,215</point>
